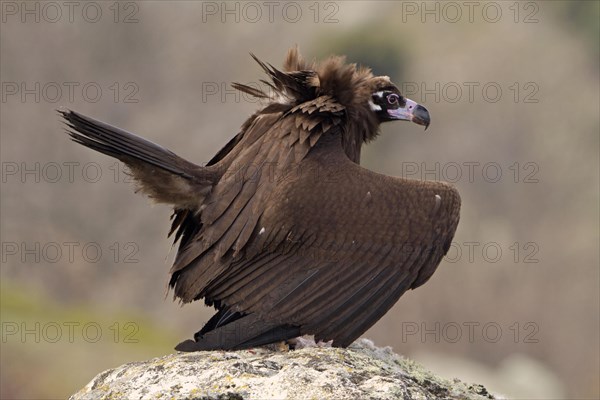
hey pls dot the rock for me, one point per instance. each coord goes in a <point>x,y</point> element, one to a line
<point>361,371</point>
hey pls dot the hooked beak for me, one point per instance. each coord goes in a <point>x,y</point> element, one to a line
<point>411,111</point>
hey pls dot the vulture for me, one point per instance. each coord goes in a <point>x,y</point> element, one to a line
<point>283,232</point>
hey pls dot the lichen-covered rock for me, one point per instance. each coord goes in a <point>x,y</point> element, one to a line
<point>361,371</point>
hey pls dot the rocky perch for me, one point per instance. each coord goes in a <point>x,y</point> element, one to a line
<point>361,371</point>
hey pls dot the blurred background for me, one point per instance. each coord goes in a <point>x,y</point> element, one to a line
<point>513,90</point>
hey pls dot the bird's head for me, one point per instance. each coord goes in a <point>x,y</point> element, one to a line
<point>389,104</point>
<point>368,99</point>
<point>365,100</point>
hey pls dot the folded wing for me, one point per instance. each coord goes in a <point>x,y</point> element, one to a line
<point>334,249</point>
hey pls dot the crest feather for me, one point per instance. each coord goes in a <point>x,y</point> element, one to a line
<point>301,81</point>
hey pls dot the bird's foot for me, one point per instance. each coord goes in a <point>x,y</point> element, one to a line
<point>306,341</point>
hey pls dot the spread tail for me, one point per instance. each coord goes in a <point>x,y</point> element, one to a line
<point>160,173</point>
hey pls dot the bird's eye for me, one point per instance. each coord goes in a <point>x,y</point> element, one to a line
<point>392,99</point>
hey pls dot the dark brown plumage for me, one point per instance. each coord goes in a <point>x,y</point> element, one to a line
<point>283,232</point>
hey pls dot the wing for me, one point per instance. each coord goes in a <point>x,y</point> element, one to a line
<point>270,150</point>
<point>337,246</point>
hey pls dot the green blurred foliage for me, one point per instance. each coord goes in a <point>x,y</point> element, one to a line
<point>583,18</point>
<point>42,339</point>
<point>366,46</point>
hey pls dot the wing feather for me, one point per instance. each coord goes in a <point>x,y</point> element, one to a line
<point>272,148</point>
<point>330,274</point>
<point>337,244</point>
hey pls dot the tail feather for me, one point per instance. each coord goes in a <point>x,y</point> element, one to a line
<point>117,143</point>
<point>161,174</point>
<point>242,333</point>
